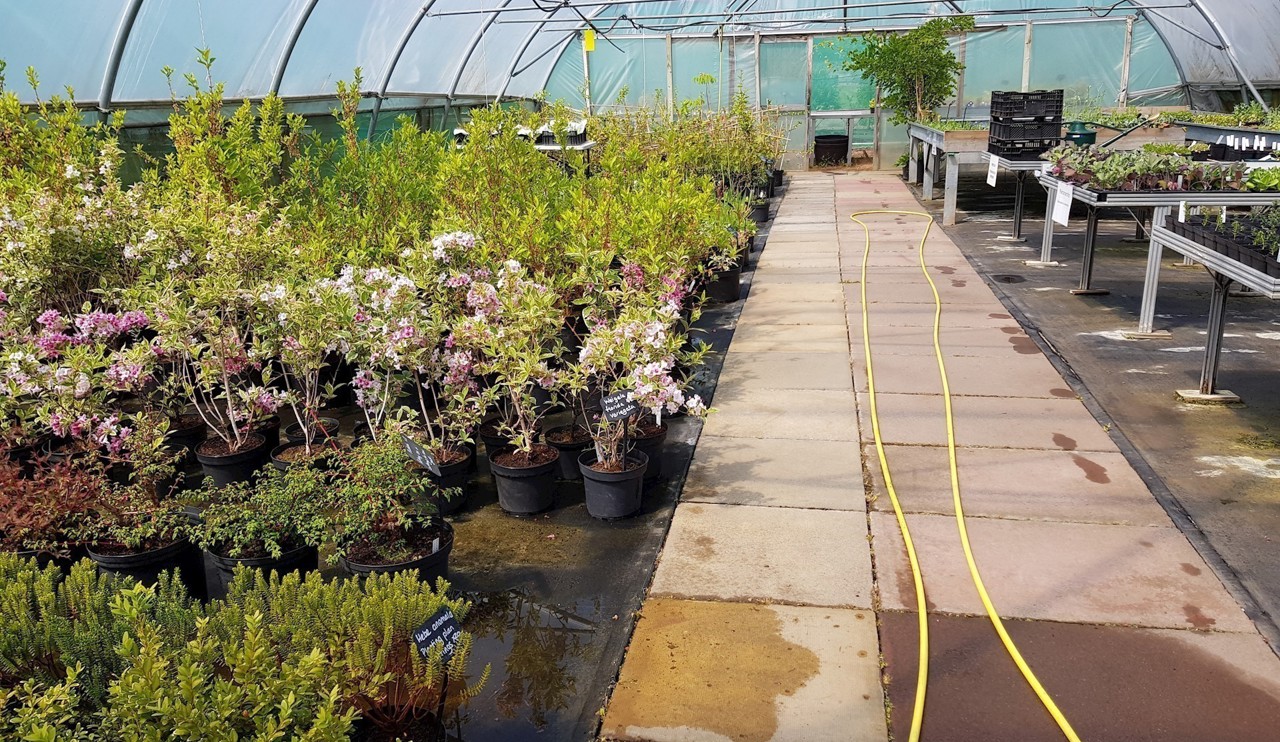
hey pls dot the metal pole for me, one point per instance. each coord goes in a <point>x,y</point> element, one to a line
<point>524,47</point>
<point>586,78</point>
<point>471,49</point>
<point>962,55</point>
<point>1123,98</point>
<point>117,53</point>
<point>671,83</point>
<point>294,34</point>
<point>1213,341</point>
<point>391,65</point>
<point>1026,59</point>
<point>759,92</point>
<point>564,43</point>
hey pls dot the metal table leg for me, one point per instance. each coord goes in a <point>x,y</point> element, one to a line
<point>930,171</point>
<point>1207,393</point>
<point>1151,285</point>
<point>1086,264</point>
<point>1046,240</point>
<point>950,186</point>
<point>1019,205</point>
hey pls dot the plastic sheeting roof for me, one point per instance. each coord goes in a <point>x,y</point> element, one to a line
<point>112,51</point>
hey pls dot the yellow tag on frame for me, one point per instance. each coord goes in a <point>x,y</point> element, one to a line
<point>589,40</point>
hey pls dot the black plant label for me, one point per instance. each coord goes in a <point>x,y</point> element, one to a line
<point>421,455</point>
<point>618,406</point>
<point>442,628</point>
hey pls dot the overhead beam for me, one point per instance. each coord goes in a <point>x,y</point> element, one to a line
<point>123,29</point>
<point>391,65</point>
<point>294,34</point>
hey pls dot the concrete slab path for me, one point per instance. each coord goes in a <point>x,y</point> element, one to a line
<point>759,621</point>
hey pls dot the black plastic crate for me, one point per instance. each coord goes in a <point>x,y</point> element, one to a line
<point>1016,131</point>
<point>1013,104</point>
<point>1023,150</point>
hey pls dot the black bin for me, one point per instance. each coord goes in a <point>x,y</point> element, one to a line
<point>830,149</point>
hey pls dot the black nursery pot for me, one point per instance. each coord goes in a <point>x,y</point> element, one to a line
<point>303,559</point>
<point>456,475</point>
<point>569,450</point>
<point>725,286</point>
<point>235,467</point>
<point>525,490</point>
<point>651,447</point>
<point>776,177</point>
<point>185,433</point>
<point>146,566</point>
<point>325,429</point>
<point>760,212</point>
<point>613,494</point>
<point>428,567</point>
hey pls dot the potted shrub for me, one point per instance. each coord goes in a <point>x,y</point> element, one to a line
<point>305,323</point>
<point>513,330</point>
<point>274,524</point>
<point>41,511</point>
<point>379,525</point>
<point>915,71</point>
<point>132,532</point>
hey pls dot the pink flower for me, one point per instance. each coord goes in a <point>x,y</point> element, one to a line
<point>483,299</point>
<point>52,319</point>
<point>633,275</point>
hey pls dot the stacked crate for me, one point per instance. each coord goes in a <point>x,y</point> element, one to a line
<point>1025,125</point>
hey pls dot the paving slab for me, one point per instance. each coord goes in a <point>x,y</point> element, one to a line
<point>786,371</point>
<point>1090,487</point>
<point>784,294</point>
<point>776,472</point>
<point>903,314</point>
<point>709,672</point>
<point>989,422</point>
<point>952,291</point>
<point>969,341</point>
<point>812,261</point>
<point>795,414</point>
<point>746,553</point>
<point>782,313</point>
<point>1112,683</point>
<point>796,276</point>
<point>1083,573</point>
<point>1011,376</point>
<point>756,337</point>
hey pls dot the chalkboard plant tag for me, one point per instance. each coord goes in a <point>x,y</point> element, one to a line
<point>443,629</point>
<point>421,455</point>
<point>618,406</point>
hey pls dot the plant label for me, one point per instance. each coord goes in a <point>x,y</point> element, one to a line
<point>443,629</point>
<point>1182,211</point>
<point>618,406</point>
<point>421,455</point>
<point>993,170</point>
<point>1062,203</point>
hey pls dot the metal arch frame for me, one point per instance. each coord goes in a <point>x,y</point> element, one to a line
<point>392,62</point>
<point>294,34</point>
<point>471,49</point>
<point>1177,62</point>
<point>123,30</point>
<point>564,44</point>
<point>524,47</point>
<point>1231,54</point>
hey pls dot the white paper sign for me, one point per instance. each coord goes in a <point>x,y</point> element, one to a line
<point>993,169</point>
<point>1062,203</point>
<point>1182,211</point>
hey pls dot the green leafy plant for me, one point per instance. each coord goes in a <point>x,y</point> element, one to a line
<point>281,510</point>
<point>916,70</point>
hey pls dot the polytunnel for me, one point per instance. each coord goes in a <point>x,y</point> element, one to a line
<point>440,56</point>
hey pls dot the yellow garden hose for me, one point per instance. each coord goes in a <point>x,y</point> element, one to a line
<point>996,622</point>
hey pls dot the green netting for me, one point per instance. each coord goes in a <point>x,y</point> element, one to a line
<point>835,89</point>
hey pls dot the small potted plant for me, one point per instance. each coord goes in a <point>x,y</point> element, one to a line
<point>513,330</point>
<point>380,526</point>
<point>273,524</point>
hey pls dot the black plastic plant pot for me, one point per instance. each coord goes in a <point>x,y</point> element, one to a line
<point>776,177</point>
<point>453,476</point>
<point>44,558</point>
<point>651,447</point>
<point>569,450</point>
<point>303,559</point>
<point>146,566</point>
<point>428,567</point>
<point>492,441</point>
<point>185,433</point>
<point>270,430</point>
<point>327,428</point>
<point>760,212</point>
<point>725,286</point>
<point>613,494</point>
<point>525,490</point>
<point>319,458</point>
<point>239,466</point>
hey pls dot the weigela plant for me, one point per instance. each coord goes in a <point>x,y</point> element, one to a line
<point>281,510</point>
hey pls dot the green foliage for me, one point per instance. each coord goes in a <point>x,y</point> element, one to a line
<point>279,511</point>
<point>374,501</point>
<point>916,70</point>
<point>364,630</point>
<point>1141,170</point>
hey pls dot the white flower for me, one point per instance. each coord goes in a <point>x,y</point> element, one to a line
<point>71,172</point>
